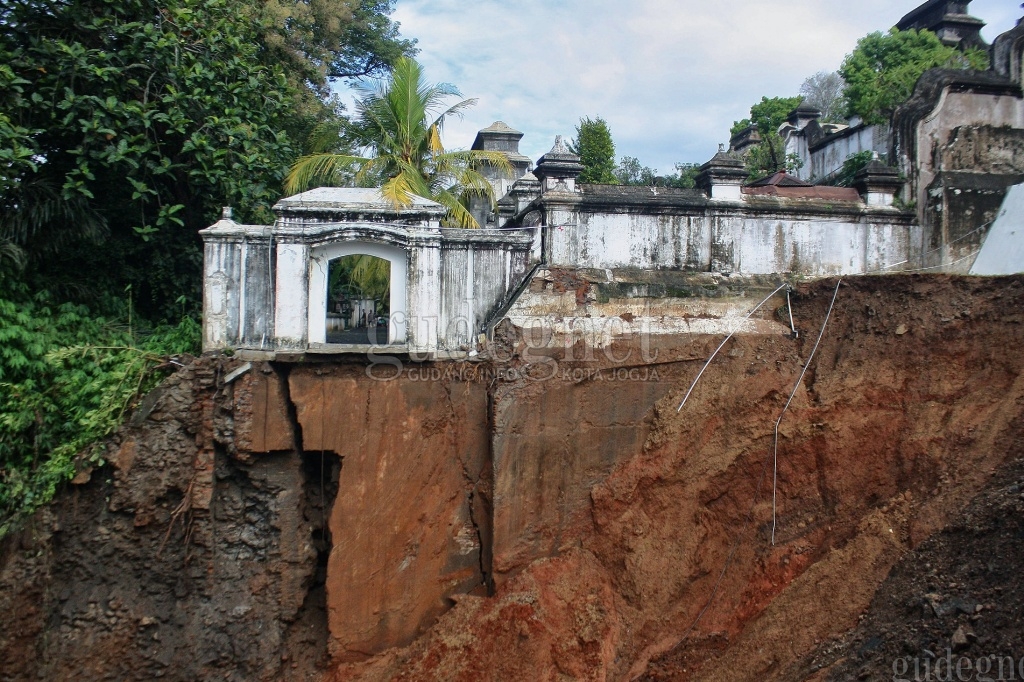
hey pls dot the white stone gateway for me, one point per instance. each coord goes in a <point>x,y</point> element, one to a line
<point>265,287</point>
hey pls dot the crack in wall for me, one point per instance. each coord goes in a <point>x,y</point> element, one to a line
<point>321,474</point>
<point>484,536</point>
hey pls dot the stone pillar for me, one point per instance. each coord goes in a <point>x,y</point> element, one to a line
<point>291,296</point>
<point>558,169</point>
<point>424,304</point>
<point>220,293</point>
<point>722,177</point>
<point>877,183</point>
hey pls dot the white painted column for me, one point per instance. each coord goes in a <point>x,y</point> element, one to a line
<point>424,298</point>
<point>216,300</point>
<point>291,296</point>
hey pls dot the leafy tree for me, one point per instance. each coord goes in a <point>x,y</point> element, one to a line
<point>323,39</point>
<point>131,122</point>
<point>685,176</point>
<point>126,125</point>
<point>371,44</point>
<point>631,172</point>
<point>768,114</point>
<point>594,146</point>
<point>317,41</point>
<point>824,90</point>
<point>400,134</point>
<point>360,276</point>
<point>881,72</point>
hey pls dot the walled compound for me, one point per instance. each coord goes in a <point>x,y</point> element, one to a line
<point>957,144</point>
<point>266,286</point>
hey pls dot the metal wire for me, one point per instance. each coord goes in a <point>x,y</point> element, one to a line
<point>775,448</point>
<point>726,340</point>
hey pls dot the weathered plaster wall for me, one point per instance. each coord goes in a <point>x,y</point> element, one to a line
<point>755,236</point>
<point>957,111</point>
<point>1003,250</point>
<point>827,158</point>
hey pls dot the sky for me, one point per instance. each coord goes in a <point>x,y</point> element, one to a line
<point>669,76</point>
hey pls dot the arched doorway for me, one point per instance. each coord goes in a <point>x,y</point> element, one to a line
<point>343,313</point>
<point>358,300</point>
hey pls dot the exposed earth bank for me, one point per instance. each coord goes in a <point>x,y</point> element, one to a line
<point>310,522</point>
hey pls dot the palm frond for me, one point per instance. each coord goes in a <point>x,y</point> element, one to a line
<point>326,137</point>
<point>318,170</point>
<point>454,110</point>
<point>458,215</point>
<point>35,216</point>
<point>399,190</point>
<point>12,253</point>
<point>405,154</point>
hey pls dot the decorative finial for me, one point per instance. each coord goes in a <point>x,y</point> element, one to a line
<point>559,147</point>
<point>225,213</point>
<point>721,148</point>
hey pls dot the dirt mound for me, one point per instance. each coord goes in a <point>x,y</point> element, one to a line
<point>951,609</point>
<point>908,407</point>
<point>618,537</point>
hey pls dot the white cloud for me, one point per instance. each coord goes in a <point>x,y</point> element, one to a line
<point>669,76</point>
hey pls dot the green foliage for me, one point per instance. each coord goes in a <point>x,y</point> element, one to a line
<point>146,118</point>
<point>322,39</point>
<point>685,176</point>
<point>631,172</point>
<point>853,163</point>
<point>768,115</point>
<point>66,380</point>
<point>594,146</point>
<point>881,72</point>
<point>360,276</point>
<point>370,45</point>
<point>769,156</point>
<point>399,130</point>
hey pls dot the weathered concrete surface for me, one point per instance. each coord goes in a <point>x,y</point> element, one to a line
<point>1003,250</point>
<point>445,282</point>
<point>553,442</point>
<point>562,307</point>
<point>412,501</point>
<point>657,228</point>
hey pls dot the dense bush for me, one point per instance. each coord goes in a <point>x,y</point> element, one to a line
<point>66,380</point>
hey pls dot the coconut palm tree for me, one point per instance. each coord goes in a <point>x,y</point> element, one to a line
<point>397,129</point>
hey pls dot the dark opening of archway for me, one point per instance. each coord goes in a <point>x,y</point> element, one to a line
<point>358,300</point>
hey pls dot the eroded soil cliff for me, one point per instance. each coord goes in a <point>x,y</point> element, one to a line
<point>548,517</point>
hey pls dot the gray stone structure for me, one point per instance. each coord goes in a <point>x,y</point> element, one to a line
<point>498,137</point>
<point>949,20</point>
<point>720,227</point>
<point>265,287</point>
<point>956,145</point>
<point>959,141</point>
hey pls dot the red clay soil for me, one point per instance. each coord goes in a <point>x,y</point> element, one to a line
<point>954,606</point>
<point>913,400</point>
<point>239,530</point>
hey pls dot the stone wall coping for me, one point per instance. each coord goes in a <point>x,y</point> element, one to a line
<point>316,234</point>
